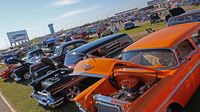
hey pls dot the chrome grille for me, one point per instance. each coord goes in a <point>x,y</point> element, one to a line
<point>104,107</point>
<point>108,104</point>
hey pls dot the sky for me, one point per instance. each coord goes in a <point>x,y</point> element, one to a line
<point>35,15</point>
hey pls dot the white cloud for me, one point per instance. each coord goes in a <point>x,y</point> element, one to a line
<point>75,12</point>
<point>61,3</point>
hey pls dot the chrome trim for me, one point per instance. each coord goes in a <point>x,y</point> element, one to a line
<point>87,75</point>
<point>110,105</point>
<point>108,101</point>
<point>47,100</point>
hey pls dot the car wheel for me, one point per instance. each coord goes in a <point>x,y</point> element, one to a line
<point>12,75</point>
<point>168,109</point>
<point>72,92</point>
<point>174,108</point>
<point>27,76</point>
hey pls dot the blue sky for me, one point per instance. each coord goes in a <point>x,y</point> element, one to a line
<point>35,15</point>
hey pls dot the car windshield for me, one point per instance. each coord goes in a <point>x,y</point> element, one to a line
<point>34,60</point>
<point>57,51</point>
<point>34,54</point>
<point>73,58</point>
<point>184,19</point>
<point>160,58</point>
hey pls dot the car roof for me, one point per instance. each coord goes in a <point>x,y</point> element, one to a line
<point>164,38</point>
<point>190,12</point>
<point>128,22</point>
<point>97,43</point>
<point>186,13</point>
<point>72,42</point>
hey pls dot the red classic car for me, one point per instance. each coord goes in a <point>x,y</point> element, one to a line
<point>5,74</point>
<point>83,35</point>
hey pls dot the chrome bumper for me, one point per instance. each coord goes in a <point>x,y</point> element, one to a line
<point>15,77</point>
<point>46,100</point>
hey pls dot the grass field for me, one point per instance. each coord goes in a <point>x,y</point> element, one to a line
<point>18,95</point>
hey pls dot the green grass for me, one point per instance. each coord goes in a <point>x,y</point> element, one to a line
<point>143,27</point>
<point>18,95</point>
<point>188,8</point>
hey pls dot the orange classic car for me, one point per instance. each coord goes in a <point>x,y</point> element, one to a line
<point>159,73</point>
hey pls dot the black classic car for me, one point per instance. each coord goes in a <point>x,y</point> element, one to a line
<point>190,16</point>
<point>155,18</point>
<point>22,72</point>
<point>174,12</point>
<point>56,87</point>
<point>60,51</point>
<point>40,69</point>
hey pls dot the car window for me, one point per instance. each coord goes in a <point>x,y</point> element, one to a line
<point>196,38</point>
<point>184,49</point>
<point>57,51</point>
<point>126,40</point>
<point>69,48</point>
<point>73,58</point>
<point>99,52</point>
<point>113,48</point>
<point>160,58</point>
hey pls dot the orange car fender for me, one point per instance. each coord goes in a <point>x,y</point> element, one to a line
<point>83,98</point>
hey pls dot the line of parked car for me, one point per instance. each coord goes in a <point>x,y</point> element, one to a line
<point>158,73</point>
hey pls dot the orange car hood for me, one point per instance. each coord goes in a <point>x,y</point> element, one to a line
<point>105,66</point>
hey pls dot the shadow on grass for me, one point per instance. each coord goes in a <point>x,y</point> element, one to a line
<point>65,107</point>
<point>24,82</point>
<point>133,28</point>
<point>8,80</point>
<point>137,26</point>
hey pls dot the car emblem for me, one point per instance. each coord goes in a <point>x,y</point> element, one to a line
<point>87,67</point>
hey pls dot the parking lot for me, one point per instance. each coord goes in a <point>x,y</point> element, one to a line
<point>22,102</point>
<point>18,94</point>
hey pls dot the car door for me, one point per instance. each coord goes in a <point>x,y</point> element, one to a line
<point>196,42</point>
<point>186,53</point>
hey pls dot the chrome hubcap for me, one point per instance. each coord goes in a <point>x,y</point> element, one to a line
<point>27,76</point>
<point>13,75</point>
<point>73,92</point>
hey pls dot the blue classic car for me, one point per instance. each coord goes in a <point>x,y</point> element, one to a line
<point>128,25</point>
